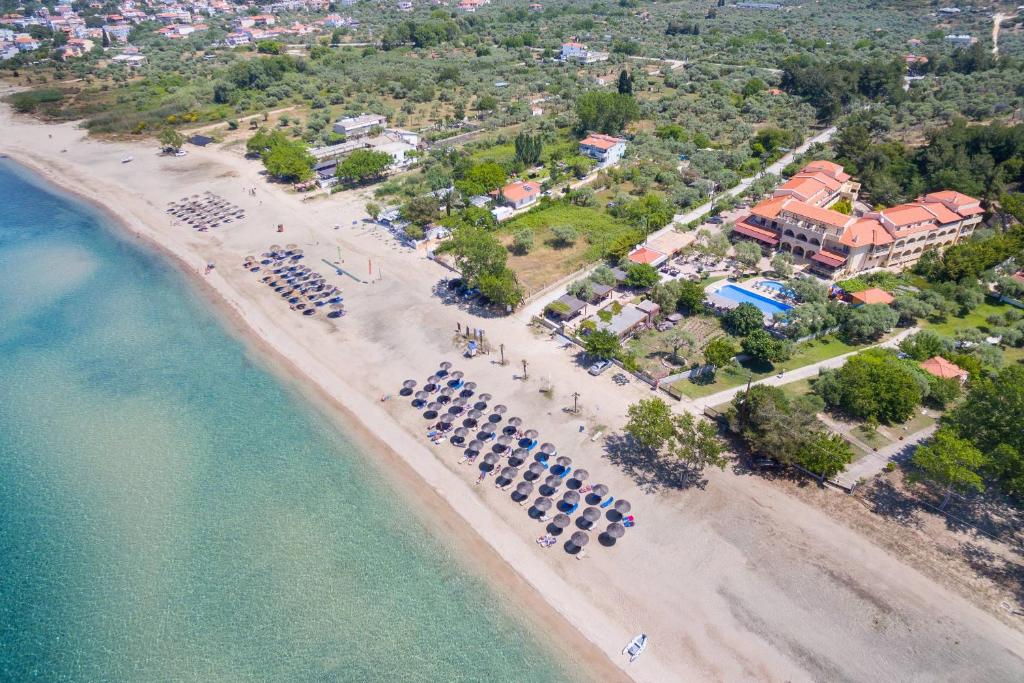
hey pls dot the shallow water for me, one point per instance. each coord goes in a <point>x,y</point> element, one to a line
<point>170,511</point>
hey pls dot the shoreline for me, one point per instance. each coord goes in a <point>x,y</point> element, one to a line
<point>732,578</point>
<point>456,529</point>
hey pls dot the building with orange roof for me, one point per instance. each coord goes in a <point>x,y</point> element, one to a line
<point>871,296</point>
<point>940,367</point>
<point>648,256</point>
<point>520,194</point>
<point>799,220</point>
<point>605,149</point>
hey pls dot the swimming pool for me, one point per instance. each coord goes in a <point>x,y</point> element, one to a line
<point>741,295</point>
<point>779,287</point>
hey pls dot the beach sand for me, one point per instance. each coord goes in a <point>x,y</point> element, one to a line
<point>732,579</point>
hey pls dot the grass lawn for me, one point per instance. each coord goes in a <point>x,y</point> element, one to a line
<point>651,348</point>
<point>975,318</point>
<point>735,375</point>
<point>546,263</point>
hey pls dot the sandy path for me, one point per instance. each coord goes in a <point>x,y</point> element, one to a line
<point>733,581</point>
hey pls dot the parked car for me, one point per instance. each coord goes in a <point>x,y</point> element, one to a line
<point>716,220</point>
<point>599,367</point>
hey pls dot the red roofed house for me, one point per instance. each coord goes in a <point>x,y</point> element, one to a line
<point>520,194</point>
<point>649,256</point>
<point>871,296</point>
<point>940,367</point>
<point>798,220</point>
<point>606,149</point>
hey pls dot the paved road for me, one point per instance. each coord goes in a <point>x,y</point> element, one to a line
<point>699,404</point>
<point>875,461</point>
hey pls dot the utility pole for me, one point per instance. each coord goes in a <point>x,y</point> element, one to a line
<point>501,347</point>
<point>575,402</point>
<point>524,368</point>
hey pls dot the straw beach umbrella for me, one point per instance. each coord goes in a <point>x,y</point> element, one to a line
<point>535,469</point>
<point>445,365</point>
<point>561,520</point>
<point>599,490</point>
<point>491,459</point>
<point>548,449</point>
<point>590,515</point>
<point>571,498</point>
<point>564,461</point>
<point>580,475</point>
<point>615,530</point>
<point>543,504</point>
<point>524,488</point>
<point>622,506</point>
<point>553,481</point>
<point>579,539</point>
<point>518,457</point>
<point>500,409</point>
<point>485,397</point>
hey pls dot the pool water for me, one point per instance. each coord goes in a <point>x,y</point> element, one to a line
<point>779,287</point>
<point>744,296</point>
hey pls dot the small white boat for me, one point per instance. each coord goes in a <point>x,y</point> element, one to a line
<point>636,647</point>
<point>126,159</point>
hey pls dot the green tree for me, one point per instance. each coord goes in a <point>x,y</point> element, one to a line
<point>421,210</point>
<point>605,112</point>
<point>171,139</point>
<point>564,236</point>
<point>373,210</point>
<point>677,338</point>
<point>602,344</point>
<point>581,289</point>
<point>808,290</point>
<point>824,454</point>
<point>743,320</point>
<point>363,165</point>
<point>874,384</point>
<point>924,345</point>
<point>696,442</point>
<point>476,250</point>
<point>500,287</point>
<point>650,423</point>
<point>289,161</point>
<point>782,264</point>
<point>991,417</point>
<point>603,275</point>
<point>951,462</point>
<point>625,85</point>
<point>772,424</point>
<point>649,213</point>
<point>762,345</point>
<point>719,352</point>
<point>641,275</point>
<point>869,322</point>
<point>747,253</point>
<point>522,241</point>
<point>482,178</point>
<point>528,148</point>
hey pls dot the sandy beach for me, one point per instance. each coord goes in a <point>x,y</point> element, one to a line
<point>731,578</point>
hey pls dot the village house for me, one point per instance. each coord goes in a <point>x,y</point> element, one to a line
<point>519,194</point>
<point>357,126</point>
<point>605,149</point>
<point>798,220</point>
<point>578,52</point>
<point>940,367</point>
<point>632,317</point>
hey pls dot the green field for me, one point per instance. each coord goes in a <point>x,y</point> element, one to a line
<point>975,318</point>
<point>736,375</point>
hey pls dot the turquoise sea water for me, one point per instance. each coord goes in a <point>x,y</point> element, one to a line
<point>169,511</point>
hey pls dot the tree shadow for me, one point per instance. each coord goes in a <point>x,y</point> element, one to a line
<point>650,471</point>
<point>1009,575</point>
<point>890,502</point>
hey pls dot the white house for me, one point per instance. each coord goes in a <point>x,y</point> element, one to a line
<point>356,126</point>
<point>960,39</point>
<point>578,52</point>
<point>605,149</point>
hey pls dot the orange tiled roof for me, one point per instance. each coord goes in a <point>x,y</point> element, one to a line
<point>940,367</point>
<point>865,231</point>
<point>815,213</point>
<point>829,168</point>
<point>601,141</point>
<point>872,296</point>
<point>907,214</point>
<point>769,208</point>
<point>645,255</point>
<point>515,192</point>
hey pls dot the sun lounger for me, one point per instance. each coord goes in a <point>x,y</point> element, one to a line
<point>607,502</point>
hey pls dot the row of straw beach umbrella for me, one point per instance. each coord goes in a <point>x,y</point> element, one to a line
<point>304,289</point>
<point>445,397</point>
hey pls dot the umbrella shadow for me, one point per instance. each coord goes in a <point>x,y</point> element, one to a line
<point>650,471</point>
<point>573,484</point>
<point>405,391</point>
<point>613,515</point>
<point>554,529</point>
<point>605,540</point>
<point>518,497</point>
<point>571,548</point>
